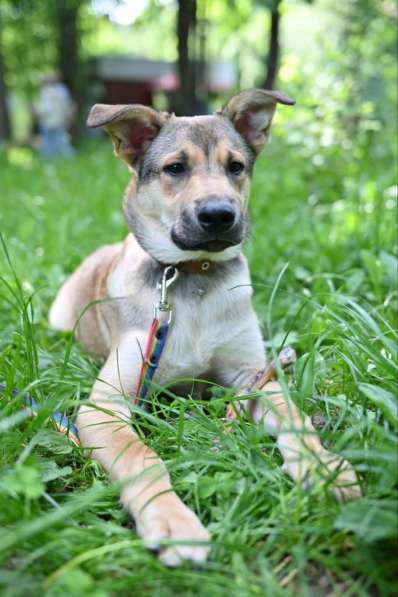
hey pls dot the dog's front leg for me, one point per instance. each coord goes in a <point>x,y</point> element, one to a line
<point>299,444</point>
<point>236,366</point>
<point>104,427</point>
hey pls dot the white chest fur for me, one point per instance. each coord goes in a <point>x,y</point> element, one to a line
<point>208,314</point>
<point>204,321</point>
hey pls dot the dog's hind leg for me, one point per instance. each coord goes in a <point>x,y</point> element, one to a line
<point>62,315</point>
<point>85,285</point>
<point>104,427</point>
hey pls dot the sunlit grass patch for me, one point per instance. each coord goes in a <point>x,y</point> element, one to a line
<point>63,532</point>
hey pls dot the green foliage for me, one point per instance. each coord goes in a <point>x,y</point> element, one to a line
<point>30,36</point>
<point>30,42</point>
<point>324,259</point>
<point>63,530</point>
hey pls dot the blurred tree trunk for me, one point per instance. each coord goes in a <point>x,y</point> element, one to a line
<point>5,129</point>
<point>68,44</point>
<point>201,82</point>
<point>186,25</point>
<point>274,46</point>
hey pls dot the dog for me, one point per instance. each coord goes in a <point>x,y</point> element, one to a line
<point>186,207</point>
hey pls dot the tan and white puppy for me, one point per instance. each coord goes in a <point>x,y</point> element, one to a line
<point>187,201</point>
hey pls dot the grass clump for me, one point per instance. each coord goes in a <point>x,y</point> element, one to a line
<point>334,257</point>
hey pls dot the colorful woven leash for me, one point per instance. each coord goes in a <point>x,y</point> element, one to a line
<point>153,351</point>
<point>157,336</point>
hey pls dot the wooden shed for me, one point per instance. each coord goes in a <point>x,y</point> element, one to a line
<point>127,79</point>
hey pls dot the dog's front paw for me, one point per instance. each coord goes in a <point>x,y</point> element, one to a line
<point>167,519</point>
<point>330,469</point>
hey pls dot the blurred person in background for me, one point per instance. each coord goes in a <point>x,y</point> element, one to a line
<point>54,111</point>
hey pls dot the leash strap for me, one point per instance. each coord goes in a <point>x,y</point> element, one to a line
<point>157,336</point>
<point>153,352</point>
<point>64,425</point>
<point>61,422</point>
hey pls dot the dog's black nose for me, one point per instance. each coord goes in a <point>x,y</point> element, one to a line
<point>216,216</point>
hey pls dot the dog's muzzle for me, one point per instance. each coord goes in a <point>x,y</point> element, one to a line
<point>214,225</point>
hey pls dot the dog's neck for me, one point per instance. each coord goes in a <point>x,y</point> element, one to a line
<point>199,263</point>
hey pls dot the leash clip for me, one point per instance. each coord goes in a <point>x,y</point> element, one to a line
<point>170,275</point>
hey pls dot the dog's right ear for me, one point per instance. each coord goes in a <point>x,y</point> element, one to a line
<point>132,127</point>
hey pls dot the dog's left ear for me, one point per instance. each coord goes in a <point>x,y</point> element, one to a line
<point>132,127</point>
<point>251,113</point>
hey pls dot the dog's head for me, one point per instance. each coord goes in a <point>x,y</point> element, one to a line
<point>189,192</point>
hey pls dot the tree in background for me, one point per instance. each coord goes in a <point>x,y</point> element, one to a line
<point>28,47</point>
<point>4,116</point>
<point>187,43</point>
<point>367,38</point>
<point>273,56</point>
<point>39,36</point>
<point>273,45</point>
<point>186,29</point>
<point>67,33</point>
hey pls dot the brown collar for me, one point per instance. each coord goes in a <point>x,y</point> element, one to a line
<point>200,266</point>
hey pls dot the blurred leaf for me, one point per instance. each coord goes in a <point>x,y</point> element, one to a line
<point>207,487</point>
<point>54,441</point>
<point>305,373</point>
<point>355,281</point>
<point>371,520</point>
<point>24,480</point>
<point>310,368</point>
<point>191,478</point>
<point>282,338</point>
<point>374,268</point>
<point>75,583</point>
<point>383,400</point>
<point>390,267</point>
<point>51,471</point>
<point>222,484</point>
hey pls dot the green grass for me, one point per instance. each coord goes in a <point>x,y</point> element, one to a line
<point>330,229</point>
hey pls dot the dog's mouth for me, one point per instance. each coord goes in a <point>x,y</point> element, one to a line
<point>214,245</point>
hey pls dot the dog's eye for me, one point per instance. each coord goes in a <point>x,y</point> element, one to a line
<point>175,169</point>
<point>235,167</point>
